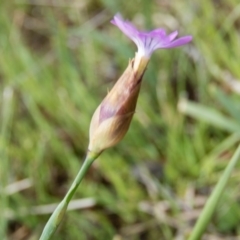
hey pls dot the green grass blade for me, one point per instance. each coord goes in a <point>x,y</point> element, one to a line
<point>209,115</point>
<point>213,200</point>
<point>228,102</point>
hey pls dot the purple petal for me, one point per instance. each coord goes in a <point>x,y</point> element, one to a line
<point>160,32</point>
<point>172,35</point>
<point>148,42</point>
<point>179,42</point>
<point>125,26</point>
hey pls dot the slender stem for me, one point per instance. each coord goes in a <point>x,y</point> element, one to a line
<point>212,202</point>
<point>59,212</point>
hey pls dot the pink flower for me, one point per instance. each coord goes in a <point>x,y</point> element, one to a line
<point>148,42</point>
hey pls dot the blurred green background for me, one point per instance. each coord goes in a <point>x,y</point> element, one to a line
<point>57,61</point>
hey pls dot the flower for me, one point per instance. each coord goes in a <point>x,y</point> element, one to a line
<point>148,42</point>
<point>112,118</point>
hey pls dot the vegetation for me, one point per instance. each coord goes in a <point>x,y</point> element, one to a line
<point>57,61</point>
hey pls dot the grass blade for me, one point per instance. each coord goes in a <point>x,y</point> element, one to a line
<point>209,115</point>
<point>213,200</point>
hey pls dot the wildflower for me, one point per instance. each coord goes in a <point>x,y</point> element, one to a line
<point>113,116</point>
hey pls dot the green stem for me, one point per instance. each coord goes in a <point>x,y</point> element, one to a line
<point>58,214</point>
<point>212,202</point>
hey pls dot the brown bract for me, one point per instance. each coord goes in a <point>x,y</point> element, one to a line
<point>113,116</point>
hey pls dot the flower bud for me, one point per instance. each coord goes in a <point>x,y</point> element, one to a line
<point>113,116</point>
